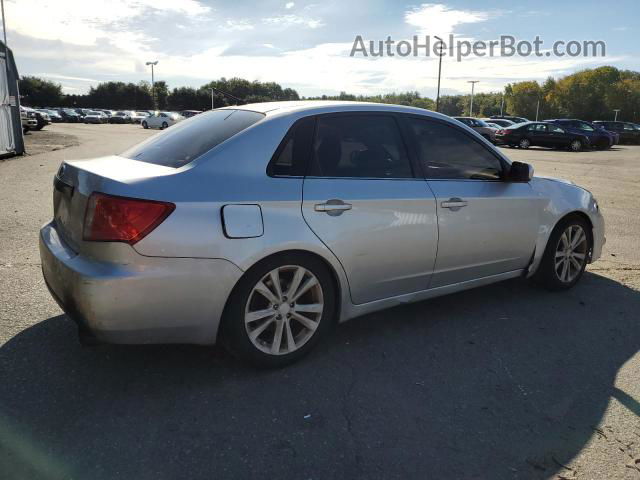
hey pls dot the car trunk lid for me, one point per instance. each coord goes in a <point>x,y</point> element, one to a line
<point>75,181</point>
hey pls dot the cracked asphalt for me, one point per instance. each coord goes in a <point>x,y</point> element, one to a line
<point>507,381</point>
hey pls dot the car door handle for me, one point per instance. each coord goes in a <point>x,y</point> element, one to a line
<point>454,204</point>
<point>332,207</point>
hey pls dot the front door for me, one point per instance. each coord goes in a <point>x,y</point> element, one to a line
<point>487,226</point>
<point>363,200</point>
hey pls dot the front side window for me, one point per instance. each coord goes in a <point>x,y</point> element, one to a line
<point>555,129</point>
<point>584,126</point>
<point>448,153</point>
<point>367,146</point>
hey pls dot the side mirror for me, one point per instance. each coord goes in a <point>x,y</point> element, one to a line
<point>520,172</point>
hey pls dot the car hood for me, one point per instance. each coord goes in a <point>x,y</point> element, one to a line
<point>555,179</point>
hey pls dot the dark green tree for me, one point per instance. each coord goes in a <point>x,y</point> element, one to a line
<point>37,92</point>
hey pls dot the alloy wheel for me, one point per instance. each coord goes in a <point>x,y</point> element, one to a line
<point>576,145</point>
<point>283,310</point>
<point>571,253</point>
<point>525,143</point>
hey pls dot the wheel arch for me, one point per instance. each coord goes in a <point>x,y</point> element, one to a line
<point>542,246</point>
<point>331,268</point>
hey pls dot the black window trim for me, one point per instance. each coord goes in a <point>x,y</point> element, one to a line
<point>282,145</point>
<point>505,165</point>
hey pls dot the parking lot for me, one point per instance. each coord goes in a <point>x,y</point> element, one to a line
<point>505,381</point>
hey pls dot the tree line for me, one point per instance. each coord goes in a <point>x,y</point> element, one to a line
<point>591,94</point>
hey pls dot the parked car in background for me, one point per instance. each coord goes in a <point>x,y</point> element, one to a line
<point>161,120</point>
<point>627,131</point>
<point>140,250</point>
<point>510,118</point>
<point>190,113</point>
<point>69,115</point>
<point>137,117</point>
<point>54,116</point>
<point>120,117</point>
<point>495,126</point>
<point>42,118</point>
<point>501,122</point>
<point>28,120</point>
<point>598,137</point>
<point>93,116</point>
<point>541,134</point>
<point>479,126</point>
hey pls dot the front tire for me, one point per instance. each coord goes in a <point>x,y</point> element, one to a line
<point>280,310</point>
<point>144,125</point>
<point>165,125</point>
<point>567,254</point>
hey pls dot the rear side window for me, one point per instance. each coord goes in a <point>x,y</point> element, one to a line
<point>447,153</point>
<point>187,140</point>
<point>368,146</point>
<point>290,159</point>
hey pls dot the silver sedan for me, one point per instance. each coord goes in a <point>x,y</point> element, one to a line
<point>263,225</point>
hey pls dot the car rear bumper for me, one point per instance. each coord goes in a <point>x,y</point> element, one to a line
<point>152,300</point>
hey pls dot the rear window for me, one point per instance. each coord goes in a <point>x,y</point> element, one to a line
<point>187,140</point>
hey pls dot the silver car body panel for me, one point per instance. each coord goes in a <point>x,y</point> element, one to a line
<point>395,245</point>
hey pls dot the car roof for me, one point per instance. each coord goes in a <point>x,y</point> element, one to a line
<point>311,107</point>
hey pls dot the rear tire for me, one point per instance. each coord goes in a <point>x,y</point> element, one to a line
<point>271,325</point>
<point>524,143</point>
<point>144,125</point>
<point>165,125</point>
<point>575,146</point>
<point>562,264</point>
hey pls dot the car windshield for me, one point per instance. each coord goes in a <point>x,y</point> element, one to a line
<point>93,113</point>
<point>187,140</point>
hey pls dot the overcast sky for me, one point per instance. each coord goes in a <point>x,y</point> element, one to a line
<point>303,44</point>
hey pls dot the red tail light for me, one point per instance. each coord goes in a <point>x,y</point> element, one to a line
<point>119,219</point>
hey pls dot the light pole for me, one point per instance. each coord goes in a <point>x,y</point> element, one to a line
<point>473,84</point>
<point>211,98</point>
<point>616,117</point>
<point>537,109</point>
<point>153,83</point>
<point>439,73</point>
<point>501,104</point>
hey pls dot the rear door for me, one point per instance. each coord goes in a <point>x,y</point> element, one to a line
<point>487,226</point>
<point>540,135</point>
<point>363,199</point>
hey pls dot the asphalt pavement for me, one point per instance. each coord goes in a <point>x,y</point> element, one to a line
<point>502,382</point>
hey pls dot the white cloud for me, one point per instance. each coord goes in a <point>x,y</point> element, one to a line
<point>82,22</point>
<point>438,19</point>
<point>293,20</point>
<point>56,76</point>
<point>239,25</point>
<point>80,36</point>
<point>289,5</point>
